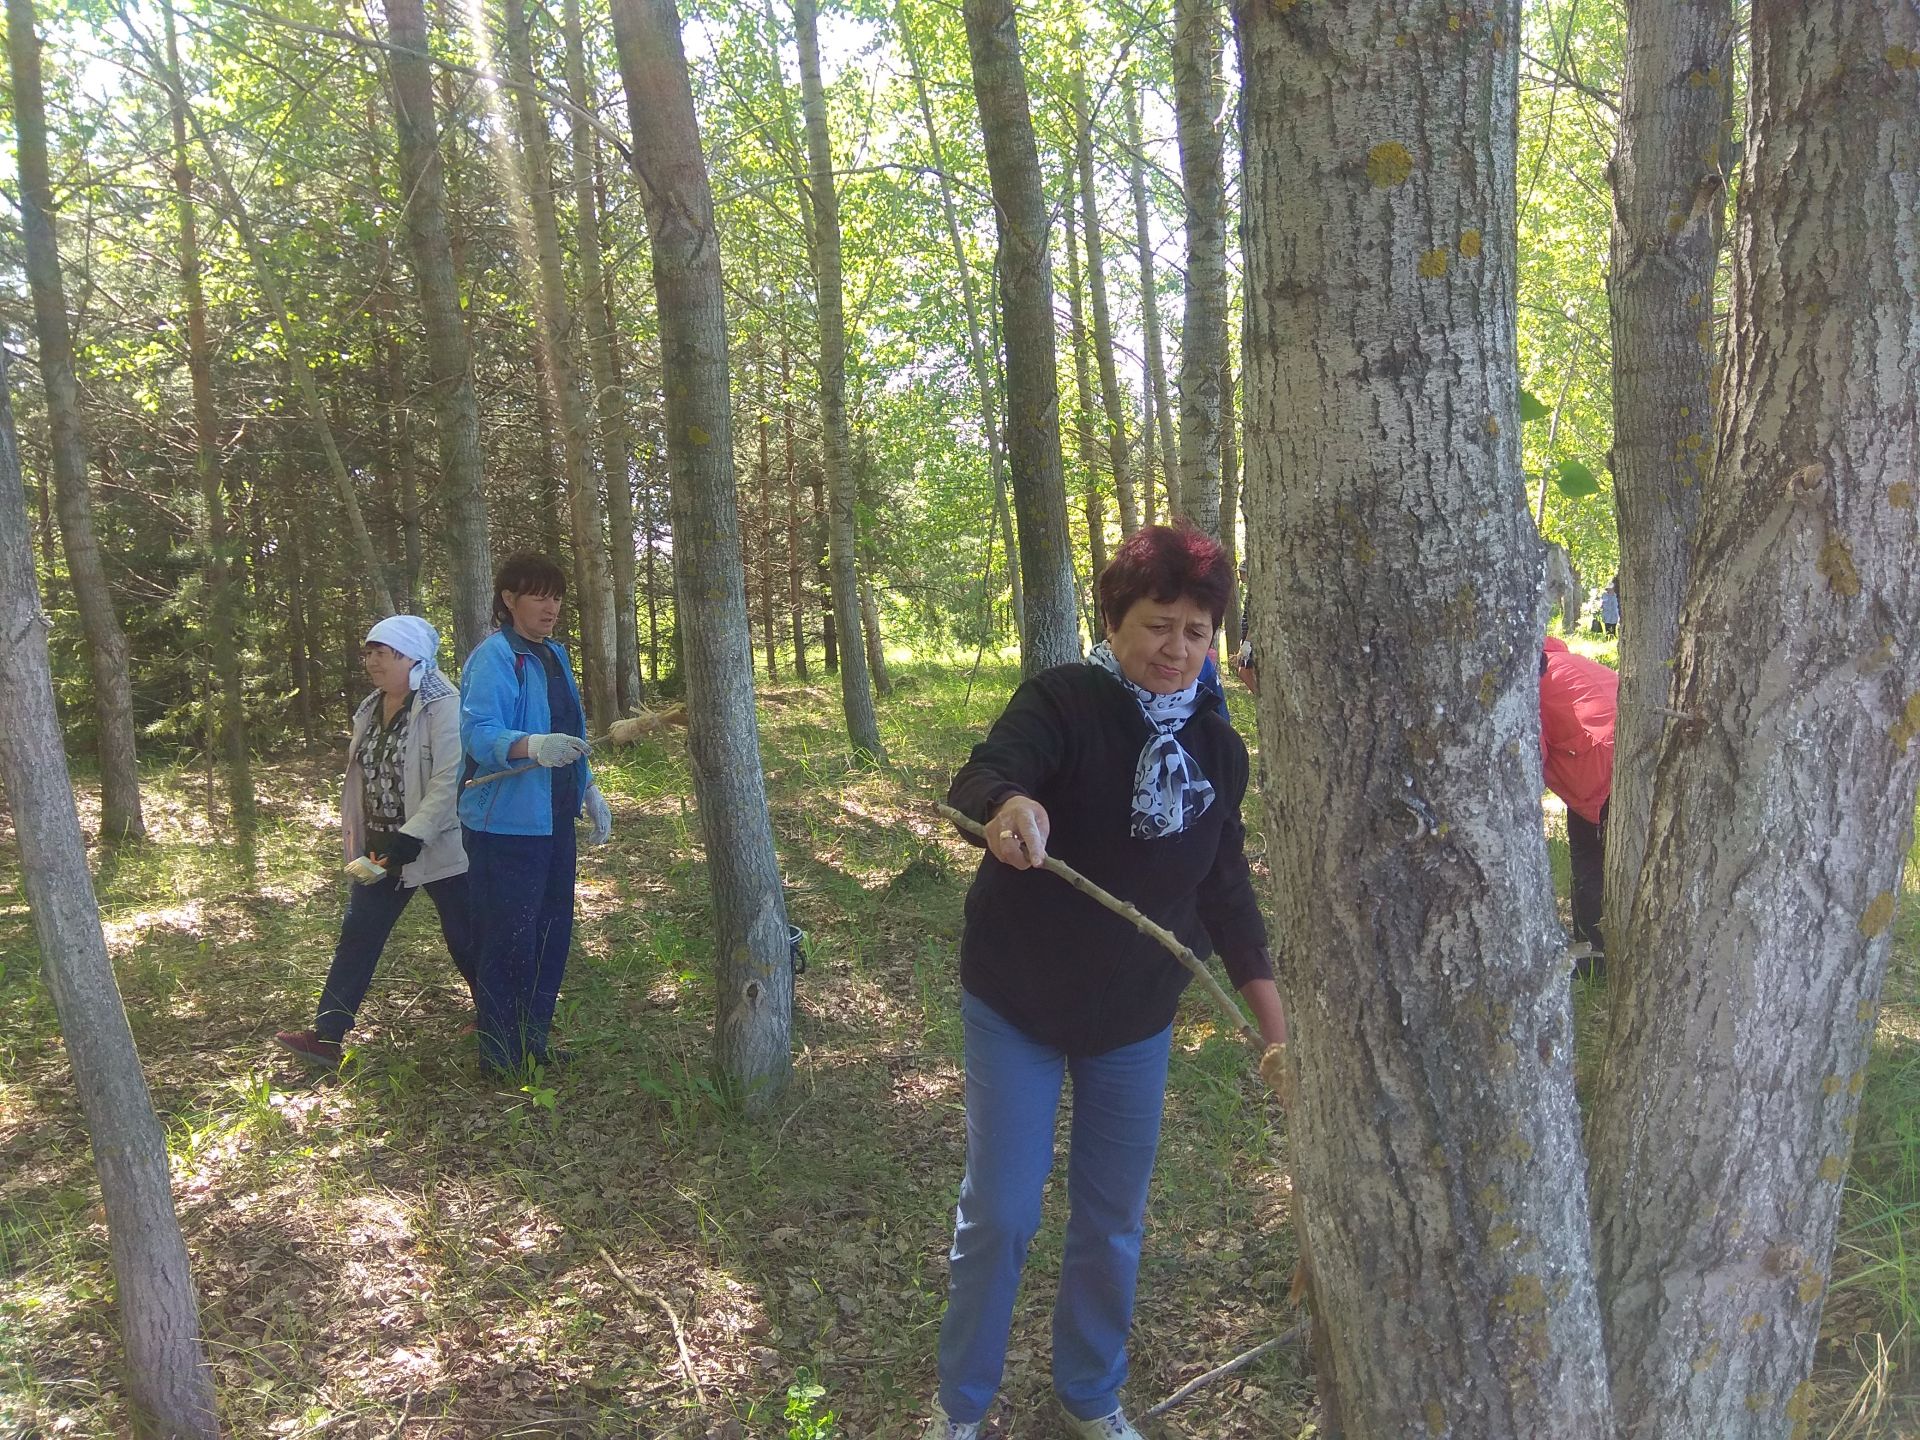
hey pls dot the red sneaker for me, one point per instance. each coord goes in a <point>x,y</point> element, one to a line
<point>310,1047</point>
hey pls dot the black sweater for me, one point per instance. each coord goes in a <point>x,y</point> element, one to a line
<point>1068,972</point>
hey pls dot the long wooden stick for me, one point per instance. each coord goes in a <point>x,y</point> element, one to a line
<point>1223,1002</point>
<point>479,780</point>
<point>1220,1372</point>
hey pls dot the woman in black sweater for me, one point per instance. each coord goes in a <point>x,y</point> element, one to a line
<point>1128,770</point>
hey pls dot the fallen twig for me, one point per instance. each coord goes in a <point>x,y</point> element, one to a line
<point>1220,1372</point>
<point>679,1335</point>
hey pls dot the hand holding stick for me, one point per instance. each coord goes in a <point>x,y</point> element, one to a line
<point>1271,1068</point>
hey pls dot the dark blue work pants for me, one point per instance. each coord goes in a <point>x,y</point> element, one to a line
<point>521,891</point>
<point>372,912</point>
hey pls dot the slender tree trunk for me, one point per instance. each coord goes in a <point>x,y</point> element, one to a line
<point>1230,505</point>
<point>653,582</point>
<point>754,979</point>
<point>1052,634</point>
<point>168,1379</point>
<point>796,590</point>
<point>856,692</point>
<point>1083,393</point>
<point>1783,804</point>
<point>764,471</point>
<point>456,410</point>
<point>1114,402</point>
<point>620,504</point>
<point>978,354</point>
<point>829,640</point>
<point>1203,336</point>
<point>876,643</point>
<point>1157,411</point>
<point>107,656</point>
<point>616,447</point>
<point>221,629</point>
<point>294,577</point>
<point>1669,188</point>
<point>1437,1140</point>
<point>559,337</point>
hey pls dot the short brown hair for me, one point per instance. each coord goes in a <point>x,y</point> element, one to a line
<point>1165,562</point>
<point>525,573</point>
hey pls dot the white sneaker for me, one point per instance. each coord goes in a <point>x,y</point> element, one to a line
<point>1108,1427</point>
<point>942,1428</point>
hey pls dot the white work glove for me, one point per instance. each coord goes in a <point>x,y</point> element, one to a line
<point>555,750</point>
<point>599,817</point>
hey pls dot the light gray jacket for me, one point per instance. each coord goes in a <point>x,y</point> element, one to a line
<point>430,768</point>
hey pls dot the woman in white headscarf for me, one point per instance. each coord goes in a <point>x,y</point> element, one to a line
<point>400,821</point>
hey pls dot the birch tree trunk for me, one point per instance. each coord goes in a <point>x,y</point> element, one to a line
<point>796,589</point>
<point>856,684</point>
<point>1083,393</point>
<point>1052,635</point>
<point>1669,206</point>
<point>168,1379</point>
<point>1203,336</point>
<point>1110,396</point>
<point>560,338</point>
<point>456,410</point>
<point>221,605</point>
<point>978,353</point>
<point>107,657</point>
<point>1157,413</point>
<point>754,978</point>
<point>1230,507</point>
<point>1436,1136</point>
<point>1783,804</point>
<point>616,448</point>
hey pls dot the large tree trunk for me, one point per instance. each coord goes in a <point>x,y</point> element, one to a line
<point>754,977</point>
<point>1156,412</point>
<point>463,498</point>
<point>168,1380</point>
<point>1052,635</point>
<point>221,601</point>
<point>1437,1140</point>
<point>1110,397</point>
<point>1083,393</point>
<point>559,337</point>
<point>1669,205</point>
<point>1783,801</point>
<point>107,659</point>
<point>1203,336</point>
<point>856,685</point>
<point>616,449</point>
<point>978,353</point>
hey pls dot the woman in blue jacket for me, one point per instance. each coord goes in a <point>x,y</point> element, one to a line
<point>520,718</point>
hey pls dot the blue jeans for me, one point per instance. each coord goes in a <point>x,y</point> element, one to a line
<point>372,912</point>
<point>521,889</point>
<point>1013,1092</point>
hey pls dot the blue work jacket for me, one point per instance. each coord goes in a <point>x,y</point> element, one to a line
<point>503,697</point>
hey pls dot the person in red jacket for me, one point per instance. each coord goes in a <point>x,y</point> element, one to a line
<point>1579,699</point>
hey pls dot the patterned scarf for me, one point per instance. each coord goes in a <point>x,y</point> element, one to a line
<point>1169,792</point>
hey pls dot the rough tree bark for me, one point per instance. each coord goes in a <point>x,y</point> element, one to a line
<point>559,336</point>
<point>1203,336</point>
<point>1083,394</point>
<point>1156,412</point>
<point>1669,207</point>
<point>1436,1136</point>
<point>978,353</point>
<point>1052,635</point>
<point>1110,396</point>
<point>221,601</point>
<point>462,491</point>
<point>107,657</point>
<point>1230,507</point>
<point>836,454</point>
<point>168,1379</point>
<point>754,978</point>
<point>610,401</point>
<point>1783,802</point>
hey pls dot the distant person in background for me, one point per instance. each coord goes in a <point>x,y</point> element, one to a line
<point>1579,701</point>
<point>1610,606</point>
<point>397,817</point>
<point>521,720</point>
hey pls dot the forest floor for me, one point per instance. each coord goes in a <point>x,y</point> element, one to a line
<point>408,1250</point>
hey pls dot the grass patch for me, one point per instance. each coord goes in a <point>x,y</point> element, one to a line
<point>408,1250</point>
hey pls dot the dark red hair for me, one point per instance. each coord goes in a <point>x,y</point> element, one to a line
<point>1165,563</point>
